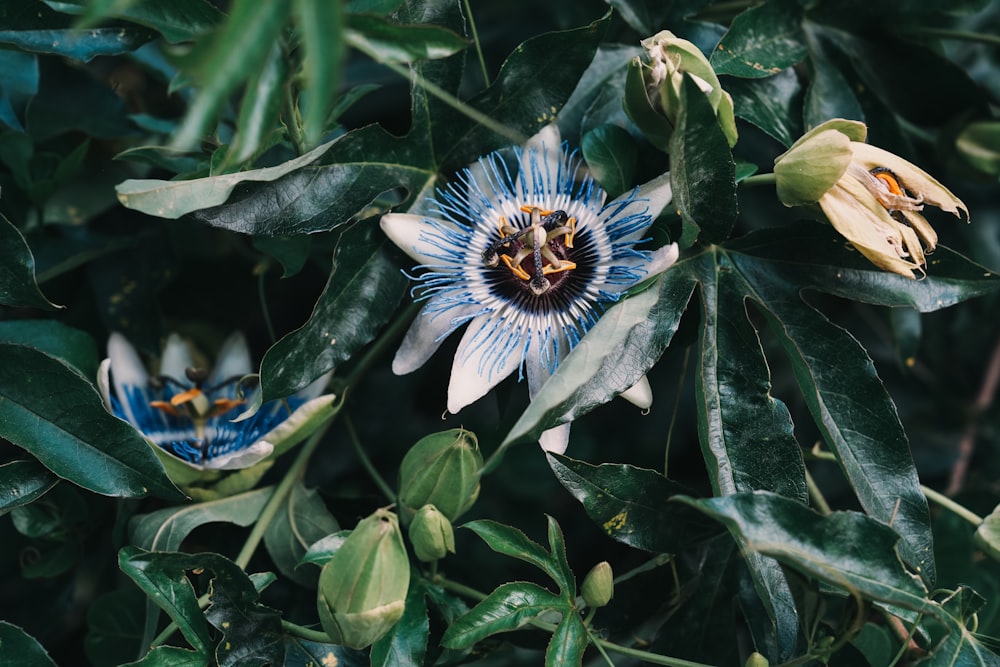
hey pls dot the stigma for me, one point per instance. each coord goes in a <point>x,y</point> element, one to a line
<point>534,252</point>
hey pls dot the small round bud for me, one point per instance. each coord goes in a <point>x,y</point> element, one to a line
<point>441,469</point>
<point>756,660</point>
<point>362,588</point>
<point>599,585</point>
<point>431,534</point>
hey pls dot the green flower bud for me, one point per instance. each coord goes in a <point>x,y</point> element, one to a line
<point>599,585</point>
<point>662,76</point>
<point>442,469</point>
<point>362,588</point>
<point>756,660</point>
<point>431,534</point>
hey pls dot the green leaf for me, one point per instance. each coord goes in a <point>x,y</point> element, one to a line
<point>177,20</point>
<point>656,127</point>
<point>172,199</point>
<point>172,656</point>
<point>166,529</point>
<point>18,85</point>
<point>772,104</point>
<point>568,642</point>
<point>362,293</point>
<point>49,410</point>
<point>161,576</point>
<point>292,252</point>
<point>509,607</point>
<point>406,643</point>
<point>34,27</point>
<point>302,520</point>
<point>17,271</point>
<point>22,482</point>
<point>829,94</point>
<point>20,648</point>
<point>512,542</point>
<point>259,111</point>
<point>251,632</point>
<point>322,26</point>
<point>394,43</point>
<point>300,652</point>
<point>762,41</point>
<point>988,534</point>
<point>114,627</point>
<point>630,505</point>
<point>603,73</point>
<point>702,173</point>
<point>224,61</point>
<point>322,550</point>
<point>612,157</point>
<point>71,346</point>
<point>624,344</point>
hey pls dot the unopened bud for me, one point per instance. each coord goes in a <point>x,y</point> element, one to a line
<point>441,469</point>
<point>431,534</point>
<point>756,660</point>
<point>599,585</point>
<point>362,588</point>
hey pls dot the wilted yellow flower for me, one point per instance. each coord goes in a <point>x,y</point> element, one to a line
<point>870,196</point>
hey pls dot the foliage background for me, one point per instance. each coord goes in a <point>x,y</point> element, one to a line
<point>95,95</point>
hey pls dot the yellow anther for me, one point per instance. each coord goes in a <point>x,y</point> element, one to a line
<point>568,239</point>
<point>516,269</point>
<point>533,209</point>
<point>565,265</point>
<point>185,396</point>
<point>890,181</point>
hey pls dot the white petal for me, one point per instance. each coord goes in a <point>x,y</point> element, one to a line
<point>233,360</point>
<point>244,458</point>
<point>410,233</point>
<point>556,439</point>
<point>176,358</point>
<point>663,258</point>
<point>425,336</point>
<point>104,382</point>
<point>653,197</point>
<point>640,394</point>
<point>127,370</point>
<point>491,349</point>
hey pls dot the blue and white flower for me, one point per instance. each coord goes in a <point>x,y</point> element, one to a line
<point>528,255</point>
<point>190,414</point>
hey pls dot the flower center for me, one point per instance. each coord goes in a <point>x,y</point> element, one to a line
<point>536,251</point>
<point>193,402</point>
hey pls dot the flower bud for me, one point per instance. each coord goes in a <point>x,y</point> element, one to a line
<point>362,588</point>
<point>756,660</point>
<point>442,469</point>
<point>661,78</point>
<point>431,534</point>
<point>599,585</point>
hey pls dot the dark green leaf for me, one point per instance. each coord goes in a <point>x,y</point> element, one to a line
<point>512,542</point>
<point>226,60</point>
<point>508,608</point>
<point>177,20</point>
<point>612,156</point>
<point>161,576</point>
<point>114,627</point>
<point>17,271</point>
<point>622,346</point>
<point>656,127</point>
<point>20,648</point>
<point>322,550</point>
<point>773,104</point>
<point>363,290</point>
<point>301,520</point>
<point>702,172</point>
<point>166,529</point>
<point>762,41</point>
<point>322,26</point>
<point>172,656</point>
<point>23,482</point>
<point>172,199</point>
<point>630,505</point>
<point>568,642</point>
<point>406,643</point>
<point>55,339</point>
<point>48,409</point>
<point>292,252</point>
<point>379,7</point>
<point>302,653</point>
<point>604,72</point>
<point>393,43</point>
<point>251,632</point>
<point>32,26</point>
<point>829,94</point>
<point>18,85</point>
<point>557,549</point>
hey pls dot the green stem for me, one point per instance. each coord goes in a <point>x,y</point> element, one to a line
<point>366,462</point>
<point>475,40</point>
<point>305,633</point>
<point>948,33</point>
<point>677,406</point>
<point>261,271</point>
<point>816,496</point>
<point>759,179</point>
<point>291,114</point>
<point>443,95</point>
<point>949,504</point>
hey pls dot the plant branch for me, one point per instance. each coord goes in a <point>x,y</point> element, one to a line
<point>366,462</point>
<point>987,391</point>
<point>475,40</point>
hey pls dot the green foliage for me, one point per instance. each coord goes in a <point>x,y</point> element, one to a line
<point>814,482</point>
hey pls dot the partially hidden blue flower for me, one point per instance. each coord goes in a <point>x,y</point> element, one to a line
<point>528,254</point>
<point>193,416</point>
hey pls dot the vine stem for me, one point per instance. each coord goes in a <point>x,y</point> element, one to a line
<point>760,179</point>
<point>987,392</point>
<point>677,405</point>
<point>815,495</point>
<point>291,114</point>
<point>366,462</point>
<point>305,633</point>
<point>475,40</point>
<point>948,33</point>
